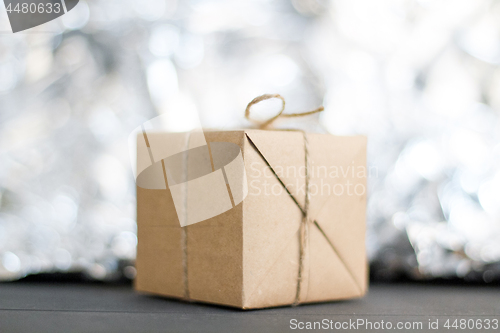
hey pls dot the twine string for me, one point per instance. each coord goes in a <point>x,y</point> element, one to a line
<point>304,226</point>
<point>184,233</point>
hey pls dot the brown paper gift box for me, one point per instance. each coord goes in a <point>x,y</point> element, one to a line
<point>248,257</point>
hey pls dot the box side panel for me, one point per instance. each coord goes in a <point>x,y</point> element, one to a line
<point>159,252</point>
<point>334,266</point>
<point>214,247</point>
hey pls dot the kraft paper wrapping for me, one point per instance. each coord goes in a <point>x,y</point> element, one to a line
<point>248,256</point>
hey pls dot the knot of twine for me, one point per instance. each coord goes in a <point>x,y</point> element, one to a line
<point>304,225</point>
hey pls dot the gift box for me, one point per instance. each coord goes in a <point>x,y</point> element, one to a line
<point>293,231</point>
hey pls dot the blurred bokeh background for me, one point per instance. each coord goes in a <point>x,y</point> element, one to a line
<point>419,78</point>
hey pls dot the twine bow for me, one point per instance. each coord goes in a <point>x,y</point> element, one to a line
<point>304,225</point>
<point>265,124</point>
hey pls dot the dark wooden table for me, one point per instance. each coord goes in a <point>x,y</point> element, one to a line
<point>91,307</point>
